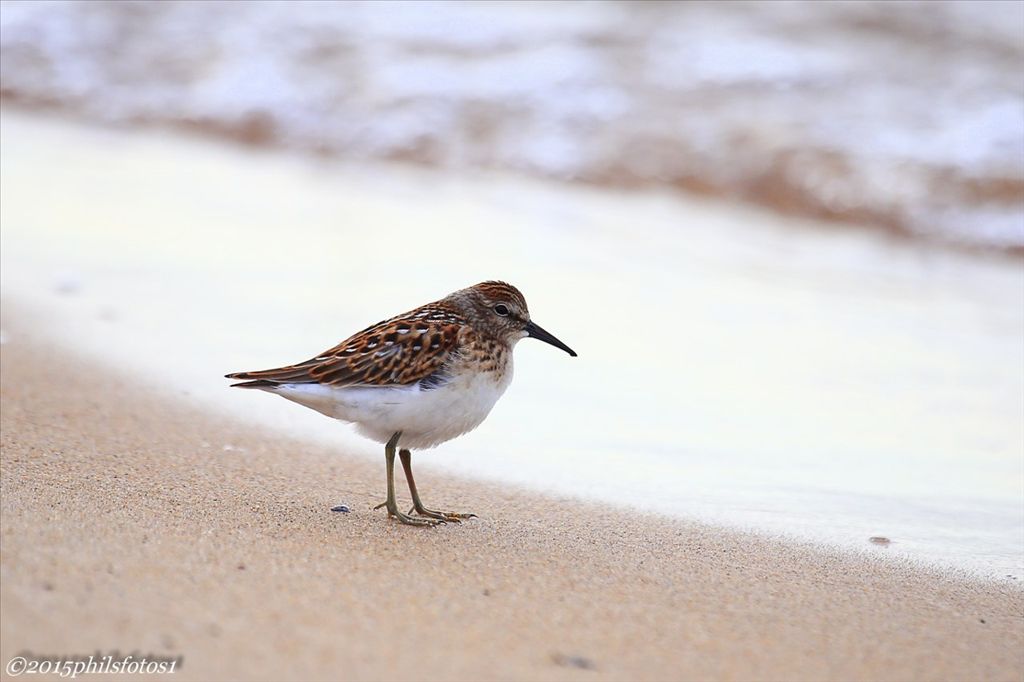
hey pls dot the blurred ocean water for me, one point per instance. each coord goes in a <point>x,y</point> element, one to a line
<point>735,366</point>
<point>906,116</point>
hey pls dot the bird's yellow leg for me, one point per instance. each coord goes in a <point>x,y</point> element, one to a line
<point>390,503</point>
<point>417,504</point>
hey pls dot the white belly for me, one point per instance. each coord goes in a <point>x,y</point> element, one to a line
<point>425,417</point>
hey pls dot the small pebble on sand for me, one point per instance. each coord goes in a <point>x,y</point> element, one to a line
<point>580,662</point>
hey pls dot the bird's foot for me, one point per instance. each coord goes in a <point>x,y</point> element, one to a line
<point>454,517</point>
<point>411,520</point>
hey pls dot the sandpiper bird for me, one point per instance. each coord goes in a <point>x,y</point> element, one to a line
<point>416,380</point>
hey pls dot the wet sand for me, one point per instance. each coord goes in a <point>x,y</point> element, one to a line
<point>133,521</point>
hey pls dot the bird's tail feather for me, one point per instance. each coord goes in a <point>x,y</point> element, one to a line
<point>259,383</point>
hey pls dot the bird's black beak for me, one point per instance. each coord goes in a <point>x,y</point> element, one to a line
<point>536,332</point>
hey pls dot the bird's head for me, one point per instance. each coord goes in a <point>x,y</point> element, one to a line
<point>499,309</point>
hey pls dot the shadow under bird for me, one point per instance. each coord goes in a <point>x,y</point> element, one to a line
<point>416,380</point>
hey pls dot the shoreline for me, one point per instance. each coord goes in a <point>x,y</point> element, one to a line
<point>229,557</point>
<point>111,273</point>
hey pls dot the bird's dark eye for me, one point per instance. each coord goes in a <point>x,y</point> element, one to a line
<point>502,309</point>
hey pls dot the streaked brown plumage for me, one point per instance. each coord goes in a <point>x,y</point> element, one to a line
<point>416,379</point>
<point>402,350</point>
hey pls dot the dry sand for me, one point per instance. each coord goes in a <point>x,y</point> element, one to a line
<point>127,525</point>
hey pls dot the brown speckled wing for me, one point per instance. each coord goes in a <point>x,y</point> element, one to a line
<point>403,350</point>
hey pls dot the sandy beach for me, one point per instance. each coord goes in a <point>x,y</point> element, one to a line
<point>784,239</point>
<point>129,525</point>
